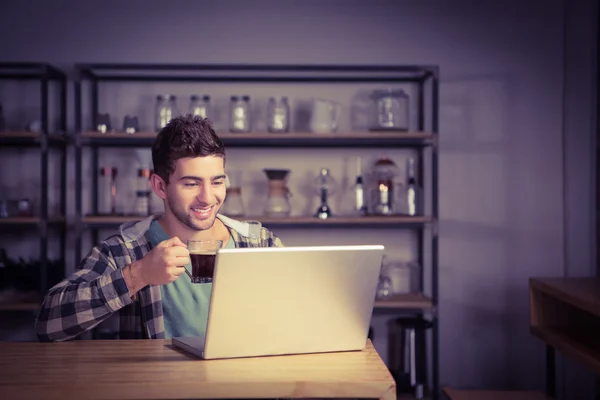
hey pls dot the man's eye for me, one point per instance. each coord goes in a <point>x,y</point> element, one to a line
<point>218,183</point>
<point>191,184</point>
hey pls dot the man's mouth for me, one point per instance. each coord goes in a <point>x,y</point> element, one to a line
<point>201,212</point>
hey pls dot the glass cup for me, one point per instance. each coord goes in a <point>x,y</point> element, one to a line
<point>202,256</point>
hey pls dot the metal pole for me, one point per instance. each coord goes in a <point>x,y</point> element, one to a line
<point>435,231</point>
<point>44,176</point>
<point>550,372</point>
<point>78,167</point>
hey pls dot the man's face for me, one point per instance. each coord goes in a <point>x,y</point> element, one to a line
<point>196,191</point>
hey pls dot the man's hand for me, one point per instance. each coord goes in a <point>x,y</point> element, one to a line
<point>163,264</point>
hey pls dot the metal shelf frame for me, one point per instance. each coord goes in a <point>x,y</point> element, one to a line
<point>425,77</point>
<point>46,75</point>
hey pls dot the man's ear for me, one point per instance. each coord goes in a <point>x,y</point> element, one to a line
<point>159,186</point>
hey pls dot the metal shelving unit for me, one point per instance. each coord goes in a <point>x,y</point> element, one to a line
<point>424,138</point>
<point>47,140</point>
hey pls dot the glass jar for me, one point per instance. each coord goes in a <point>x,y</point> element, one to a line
<point>166,110</point>
<point>240,118</point>
<point>278,115</point>
<point>200,106</point>
<point>403,276</point>
<point>383,187</point>
<point>390,110</point>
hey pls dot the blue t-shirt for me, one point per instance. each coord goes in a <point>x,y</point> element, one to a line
<point>185,304</point>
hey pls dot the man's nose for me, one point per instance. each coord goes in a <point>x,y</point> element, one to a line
<point>205,195</point>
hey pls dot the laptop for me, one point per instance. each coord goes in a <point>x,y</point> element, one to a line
<point>289,300</point>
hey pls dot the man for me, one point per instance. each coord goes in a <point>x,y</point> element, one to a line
<point>137,276</point>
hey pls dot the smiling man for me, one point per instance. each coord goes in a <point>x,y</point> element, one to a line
<point>133,279</point>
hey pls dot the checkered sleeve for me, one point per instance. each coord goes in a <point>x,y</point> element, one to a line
<point>269,239</point>
<point>85,299</point>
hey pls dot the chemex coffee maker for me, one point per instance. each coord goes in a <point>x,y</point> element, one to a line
<point>278,204</point>
<point>234,204</point>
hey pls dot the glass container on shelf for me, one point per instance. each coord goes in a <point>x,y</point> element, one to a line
<point>130,124</point>
<point>234,205</point>
<point>359,204</point>
<point>142,205</point>
<point>403,276</point>
<point>200,105</point>
<point>103,123</point>
<point>278,115</point>
<point>327,186</point>
<point>390,110</point>
<point>166,110</point>
<point>240,119</point>
<point>383,186</point>
<point>413,191</point>
<point>278,204</point>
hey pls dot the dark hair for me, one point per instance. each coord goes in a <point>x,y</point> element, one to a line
<point>185,136</point>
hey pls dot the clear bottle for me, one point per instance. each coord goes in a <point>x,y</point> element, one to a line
<point>200,105</point>
<point>142,202</point>
<point>358,190</point>
<point>240,114</point>
<point>278,115</point>
<point>166,110</point>
<point>413,191</point>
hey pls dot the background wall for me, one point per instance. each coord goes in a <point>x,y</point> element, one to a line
<point>516,129</point>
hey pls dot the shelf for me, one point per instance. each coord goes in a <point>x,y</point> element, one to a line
<point>19,306</point>
<point>583,293</point>
<point>258,139</point>
<point>30,139</point>
<point>565,314</point>
<point>410,301</point>
<point>576,343</point>
<point>30,221</point>
<point>297,222</point>
<point>30,70</point>
<point>255,73</point>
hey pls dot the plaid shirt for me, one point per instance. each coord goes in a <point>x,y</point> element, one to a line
<point>97,292</point>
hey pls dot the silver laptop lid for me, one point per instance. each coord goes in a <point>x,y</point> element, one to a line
<point>291,300</point>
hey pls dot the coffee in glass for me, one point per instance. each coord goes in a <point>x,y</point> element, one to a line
<point>202,255</point>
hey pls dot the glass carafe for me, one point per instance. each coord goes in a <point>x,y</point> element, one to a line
<point>234,205</point>
<point>278,204</point>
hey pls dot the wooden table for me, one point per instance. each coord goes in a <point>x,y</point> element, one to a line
<point>565,314</point>
<point>154,369</point>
